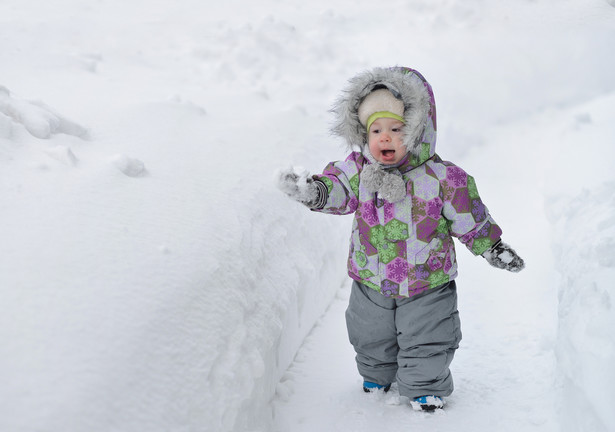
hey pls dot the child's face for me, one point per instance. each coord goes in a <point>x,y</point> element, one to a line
<point>385,140</point>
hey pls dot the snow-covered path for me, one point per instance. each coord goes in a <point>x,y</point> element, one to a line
<point>503,387</point>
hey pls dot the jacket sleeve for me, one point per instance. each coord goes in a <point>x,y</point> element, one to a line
<point>342,182</point>
<point>468,218</point>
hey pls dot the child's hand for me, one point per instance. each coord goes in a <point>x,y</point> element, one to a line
<point>297,184</point>
<point>503,256</point>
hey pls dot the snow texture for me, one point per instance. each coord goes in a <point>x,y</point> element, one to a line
<point>38,119</point>
<point>153,278</point>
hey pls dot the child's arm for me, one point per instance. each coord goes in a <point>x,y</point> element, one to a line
<point>471,222</point>
<point>334,191</point>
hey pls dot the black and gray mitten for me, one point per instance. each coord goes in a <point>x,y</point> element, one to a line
<point>503,256</point>
<point>303,188</point>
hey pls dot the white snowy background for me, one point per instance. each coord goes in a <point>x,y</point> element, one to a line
<point>153,279</point>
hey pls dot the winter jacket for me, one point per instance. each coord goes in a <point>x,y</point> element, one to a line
<point>404,248</point>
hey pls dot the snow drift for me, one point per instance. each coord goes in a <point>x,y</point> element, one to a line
<point>586,344</point>
<point>580,204</point>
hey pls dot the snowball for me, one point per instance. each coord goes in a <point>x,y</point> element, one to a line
<point>506,257</point>
<point>129,166</point>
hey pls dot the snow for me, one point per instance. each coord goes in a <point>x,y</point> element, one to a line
<point>297,184</point>
<point>585,343</point>
<point>153,278</point>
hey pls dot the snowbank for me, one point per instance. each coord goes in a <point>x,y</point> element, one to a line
<point>580,203</point>
<point>151,291</point>
<point>152,276</point>
<point>586,342</point>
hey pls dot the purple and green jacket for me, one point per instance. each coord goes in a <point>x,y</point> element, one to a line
<point>404,248</point>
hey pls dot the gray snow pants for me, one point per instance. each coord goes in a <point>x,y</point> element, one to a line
<point>411,340</point>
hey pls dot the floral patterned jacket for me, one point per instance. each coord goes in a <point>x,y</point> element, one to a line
<point>402,249</point>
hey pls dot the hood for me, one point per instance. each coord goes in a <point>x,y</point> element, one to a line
<point>406,84</point>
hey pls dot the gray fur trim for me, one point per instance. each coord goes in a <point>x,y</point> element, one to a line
<point>393,188</point>
<point>372,177</point>
<point>386,180</point>
<point>407,86</point>
<point>389,184</point>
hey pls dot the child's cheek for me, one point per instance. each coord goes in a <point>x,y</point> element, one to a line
<point>373,150</point>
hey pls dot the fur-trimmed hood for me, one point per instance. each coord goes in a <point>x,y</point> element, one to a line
<point>407,85</point>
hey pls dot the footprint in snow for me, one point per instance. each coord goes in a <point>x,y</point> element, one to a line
<point>62,154</point>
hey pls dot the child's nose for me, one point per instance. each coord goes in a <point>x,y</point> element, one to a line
<point>385,137</point>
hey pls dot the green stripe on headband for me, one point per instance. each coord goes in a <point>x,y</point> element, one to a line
<point>383,114</point>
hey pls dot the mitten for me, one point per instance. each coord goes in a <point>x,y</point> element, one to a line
<point>301,187</point>
<point>503,256</point>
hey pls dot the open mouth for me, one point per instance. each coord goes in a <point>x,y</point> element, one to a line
<point>388,154</point>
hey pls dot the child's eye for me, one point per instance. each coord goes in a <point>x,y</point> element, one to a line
<point>375,131</point>
<point>396,129</point>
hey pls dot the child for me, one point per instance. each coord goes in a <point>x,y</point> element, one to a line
<point>408,203</point>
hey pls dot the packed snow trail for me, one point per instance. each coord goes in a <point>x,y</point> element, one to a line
<point>503,374</point>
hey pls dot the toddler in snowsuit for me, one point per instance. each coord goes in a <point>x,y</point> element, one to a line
<point>408,203</point>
